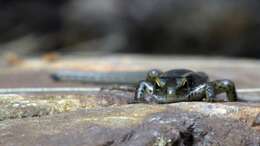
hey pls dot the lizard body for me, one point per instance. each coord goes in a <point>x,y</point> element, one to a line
<point>182,85</point>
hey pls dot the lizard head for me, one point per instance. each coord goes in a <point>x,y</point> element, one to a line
<point>154,77</point>
<point>153,74</point>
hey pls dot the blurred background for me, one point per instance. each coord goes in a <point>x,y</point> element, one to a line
<point>192,27</point>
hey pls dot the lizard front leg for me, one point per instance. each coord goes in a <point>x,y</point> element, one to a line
<point>220,86</point>
<point>144,88</point>
<point>225,86</point>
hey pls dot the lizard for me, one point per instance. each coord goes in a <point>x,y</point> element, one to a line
<point>175,85</point>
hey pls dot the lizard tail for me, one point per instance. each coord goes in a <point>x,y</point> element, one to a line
<point>249,94</point>
<point>99,77</point>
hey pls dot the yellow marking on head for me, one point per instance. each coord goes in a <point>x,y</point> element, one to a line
<point>158,82</point>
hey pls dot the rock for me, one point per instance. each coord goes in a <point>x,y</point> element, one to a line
<point>18,106</point>
<point>138,124</point>
<point>256,122</point>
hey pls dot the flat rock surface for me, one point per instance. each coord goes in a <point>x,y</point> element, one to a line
<point>107,117</point>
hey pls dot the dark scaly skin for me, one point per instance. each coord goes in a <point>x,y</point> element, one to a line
<point>182,85</point>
